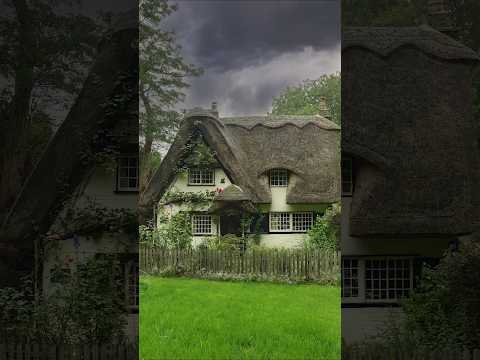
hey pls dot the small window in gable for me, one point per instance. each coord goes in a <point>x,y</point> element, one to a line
<point>127,173</point>
<point>278,177</point>
<point>201,177</point>
<point>347,176</point>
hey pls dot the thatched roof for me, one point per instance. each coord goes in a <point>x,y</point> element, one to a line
<point>248,147</point>
<point>108,99</point>
<point>407,119</point>
<point>385,40</point>
<point>232,193</point>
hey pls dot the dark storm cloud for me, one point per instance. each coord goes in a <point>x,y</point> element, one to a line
<point>228,34</point>
<point>251,50</point>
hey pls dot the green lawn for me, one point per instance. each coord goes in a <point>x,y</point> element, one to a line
<point>202,319</point>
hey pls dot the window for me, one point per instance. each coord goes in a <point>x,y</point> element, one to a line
<point>291,222</point>
<point>385,279</point>
<point>302,221</point>
<point>280,222</point>
<point>131,283</point>
<point>350,271</point>
<point>347,176</point>
<point>127,177</point>
<point>201,177</point>
<point>278,178</point>
<point>202,225</point>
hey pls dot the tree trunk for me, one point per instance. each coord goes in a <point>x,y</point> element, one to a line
<point>13,160</point>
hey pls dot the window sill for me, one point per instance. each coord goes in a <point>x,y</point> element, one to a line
<point>359,305</point>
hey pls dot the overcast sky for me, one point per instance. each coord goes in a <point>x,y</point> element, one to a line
<point>251,50</point>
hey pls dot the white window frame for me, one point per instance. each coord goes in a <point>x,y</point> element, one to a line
<point>278,177</point>
<point>132,291</point>
<point>128,177</point>
<point>349,181</point>
<point>202,173</point>
<point>290,221</point>
<point>362,284</point>
<point>351,277</point>
<point>194,224</point>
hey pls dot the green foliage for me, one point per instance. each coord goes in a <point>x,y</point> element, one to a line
<point>325,232</point>
<point>304,98</point>
<point>197,154</point>
<point>89,306</point>
<point>445,309</point>
<point>224,242</point>
<point>383,12</point>
<point>176,232</point>
<point>93,220</point>
<point>163,73</point>
<point>149,164</point>
<point>188,198</point>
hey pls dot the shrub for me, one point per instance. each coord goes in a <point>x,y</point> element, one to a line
<point>88,307</point>
<point>324,233</point>
<point>444,311</point>
<point>176,232</point>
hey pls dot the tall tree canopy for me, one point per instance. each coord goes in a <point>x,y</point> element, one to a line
<point>163,74</point>
<point>304,99</point>
<point>44,57</point>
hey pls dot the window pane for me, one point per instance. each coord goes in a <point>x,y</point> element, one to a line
<point>202,224</point>
<point>128,173</point>
<point>280,222</point>
<point>279,177</point>
<point>387,280</point>
<point>201,176</point>
<point>302,221</point>
<point>349,278</point>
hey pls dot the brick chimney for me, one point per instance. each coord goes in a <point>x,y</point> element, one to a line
<point>214,109</point>
<point>323,108</point>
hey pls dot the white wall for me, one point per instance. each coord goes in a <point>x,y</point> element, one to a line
<point>181,182</point>
<point>279,203</point>
<point>99,187</point>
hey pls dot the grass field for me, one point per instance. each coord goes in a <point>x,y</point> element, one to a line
<point>202,319</point>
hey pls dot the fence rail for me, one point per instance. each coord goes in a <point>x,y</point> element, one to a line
<point>295,264</point>
<point>40,351</point>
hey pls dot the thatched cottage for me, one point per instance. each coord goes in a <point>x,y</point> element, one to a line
<point>277,171</point>
<point>410,164</point>
<point>80,201</point>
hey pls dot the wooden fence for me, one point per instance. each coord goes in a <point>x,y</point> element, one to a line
<point>34,351</point>
<point>376,353</point>
<point>295,264</point>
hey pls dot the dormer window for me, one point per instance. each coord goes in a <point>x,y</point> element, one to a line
<point>201,177</point>
<point>347,176</point>
<point>278,178</point>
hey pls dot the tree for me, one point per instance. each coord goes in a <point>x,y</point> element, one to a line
<point>304,99</point>
<point>383,12</point>
<point>162,79</point>
<point>43,60</point>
